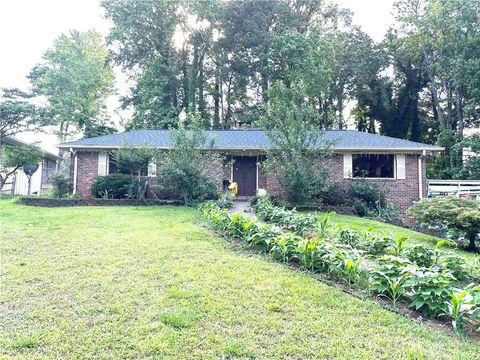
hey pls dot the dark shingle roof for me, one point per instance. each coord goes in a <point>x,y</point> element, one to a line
<point>249,140</point>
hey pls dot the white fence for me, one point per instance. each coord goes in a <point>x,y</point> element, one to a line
<point>458,188</point>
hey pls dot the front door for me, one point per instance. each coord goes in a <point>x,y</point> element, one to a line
<point>245,174</point>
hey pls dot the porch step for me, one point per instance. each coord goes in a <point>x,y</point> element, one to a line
<point>242,198</point>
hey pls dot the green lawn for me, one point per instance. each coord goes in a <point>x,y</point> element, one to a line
<point>147,282</point>
<point>415,237</point>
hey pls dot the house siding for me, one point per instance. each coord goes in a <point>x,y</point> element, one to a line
<point>401,192</point>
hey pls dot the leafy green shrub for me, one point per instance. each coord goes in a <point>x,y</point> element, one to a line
<point>61,185</point>
<point>389,277</point>
<point>263,237</point>
<point>115,186</point>
<point>287,219</point>
<point>420,255</point>
<point>377,245</point>
<point>431,291</point>
<point>452,214</point>
<point>332,195</point>
<point>456,265</point>
<point>184,170</point>
<point>284,246</point>
<point>369,199</point>
<point>348,237</point>
<point>346,265</point>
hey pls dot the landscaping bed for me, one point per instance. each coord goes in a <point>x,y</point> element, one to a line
<point>432,282</point>
<point>49,202</point>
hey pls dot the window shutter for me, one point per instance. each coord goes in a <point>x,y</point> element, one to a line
<point>400,166</point>
<point>347,166</point>
<point>102,163</point>
<point>152,169</point>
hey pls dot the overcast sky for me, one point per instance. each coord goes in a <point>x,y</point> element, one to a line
<point>29,27</point>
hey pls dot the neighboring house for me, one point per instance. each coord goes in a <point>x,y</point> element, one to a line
<point>17,184</point>
<point>397,164</point>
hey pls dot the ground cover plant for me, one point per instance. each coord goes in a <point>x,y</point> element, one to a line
<point>148,282</point>
<point>421,277</point>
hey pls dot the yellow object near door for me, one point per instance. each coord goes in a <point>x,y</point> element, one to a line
<point>233,188</point>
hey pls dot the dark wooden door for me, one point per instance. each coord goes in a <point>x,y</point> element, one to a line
<point>245,174</point>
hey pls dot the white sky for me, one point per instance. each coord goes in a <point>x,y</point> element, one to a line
<point>29,27</point>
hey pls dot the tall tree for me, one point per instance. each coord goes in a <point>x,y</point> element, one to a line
<point>76,77</point>
<point>17,113</point>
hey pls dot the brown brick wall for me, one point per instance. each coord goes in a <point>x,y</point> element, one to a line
<point>87,171</point>
<point>400,192</point>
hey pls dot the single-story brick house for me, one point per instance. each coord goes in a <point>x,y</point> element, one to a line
<point>397,164</point>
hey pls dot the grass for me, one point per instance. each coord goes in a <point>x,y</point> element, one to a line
<point>147,282</point>
<point>415,237</point>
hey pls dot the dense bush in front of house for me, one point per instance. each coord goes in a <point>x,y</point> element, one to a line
<point>428,280</point>
<point>116,186</point>
<point>187,171</point>
<point>459,217</point>
<point>61,185</point>
<point>369,199</point>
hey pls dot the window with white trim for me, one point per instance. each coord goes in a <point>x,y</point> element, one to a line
<point>373,165</point>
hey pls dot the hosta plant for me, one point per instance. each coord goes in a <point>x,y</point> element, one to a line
<point>348,237</point>
<point>262,237</point>
<point>456,265</point>
<point>420,255</point>
<point>430,291</point>
<point>346,265</point>
<point>375,245</point>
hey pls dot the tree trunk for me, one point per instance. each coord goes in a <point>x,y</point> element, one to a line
<point>459,109</point>
<point>216,100</point>
<point>433,91</point>
<point>471,236</point>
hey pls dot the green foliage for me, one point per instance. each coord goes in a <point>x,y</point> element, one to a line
<point>285,245</point>
<point>61,185</point>
<point>457,310</point>
<point>16,157</point>
<point>76,77</point>
<point>287,219</point>
<point>368,199</point>
<point>17,114</point>
<point>290,122</point>
<point>389,278</point>
<point>456,265</point>
<point>431,291</point>
<point>420,255</point>
<point>184,170</point>
<point>133,161</point>
<point>450,213</point>
<point>347,265</point>
<point>116,186</point>
<point>378,245</point>
<point>178,318</point>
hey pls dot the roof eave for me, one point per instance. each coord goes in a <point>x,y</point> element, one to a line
<point>338,149</point>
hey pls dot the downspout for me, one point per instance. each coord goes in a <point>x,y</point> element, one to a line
<point>420,175</point>
<point>75,172</point>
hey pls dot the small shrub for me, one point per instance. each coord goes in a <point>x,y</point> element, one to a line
<point>332,195</point>
<point>284,246</point>
<point>431,291</point>
<point>116,186</point>
<point>420,255</point>
<point>375,245</point>
<point>456,265</point>
<point>348,237</point>
<point>452,214</point>
<point>61,185</point>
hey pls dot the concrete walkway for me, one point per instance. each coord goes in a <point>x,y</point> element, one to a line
<point>243,207</point>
